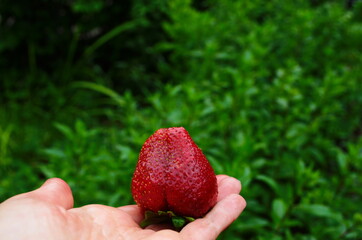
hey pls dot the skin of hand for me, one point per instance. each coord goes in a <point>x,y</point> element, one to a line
<point>48,213</point>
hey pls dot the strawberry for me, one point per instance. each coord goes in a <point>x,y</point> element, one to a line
<point>173,178</point>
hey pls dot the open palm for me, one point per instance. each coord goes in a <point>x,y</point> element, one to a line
<point>48,213</point>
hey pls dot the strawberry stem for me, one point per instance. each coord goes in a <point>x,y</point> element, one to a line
<point>165,217</point>
<point>178,222</point>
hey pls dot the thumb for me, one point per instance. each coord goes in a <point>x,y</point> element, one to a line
<point>54,191</point>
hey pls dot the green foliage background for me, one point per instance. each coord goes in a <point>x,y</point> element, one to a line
<point>270,90</point>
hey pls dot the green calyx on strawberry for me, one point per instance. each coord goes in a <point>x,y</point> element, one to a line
<point>173,181</point>
<point>165,217</point>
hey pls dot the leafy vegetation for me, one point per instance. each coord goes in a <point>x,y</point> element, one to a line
<point>270,90</point>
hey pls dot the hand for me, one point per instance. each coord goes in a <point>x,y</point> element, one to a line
<point>48,213</point>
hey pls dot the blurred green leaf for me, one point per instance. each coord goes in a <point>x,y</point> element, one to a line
<point>5,138</point>
<point>65,130</point>
<point>57,153</point>
<point>102,89</point>
<point>269,181</point>
<point>317,210</point>
<point>108,36</point>
<point>279,209</point>
<point>81,6</point>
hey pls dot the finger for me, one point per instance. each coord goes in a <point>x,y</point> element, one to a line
<point>220,177</point>
<point>54,191</point>
<point>226,186</point>
<point>133,211</point>
<point>221,216</point>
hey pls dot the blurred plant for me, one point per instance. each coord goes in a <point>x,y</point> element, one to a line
<point>5,141</point>
<point>91,162</point>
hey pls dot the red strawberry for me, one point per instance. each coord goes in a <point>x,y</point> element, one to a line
<point>173,176</point>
